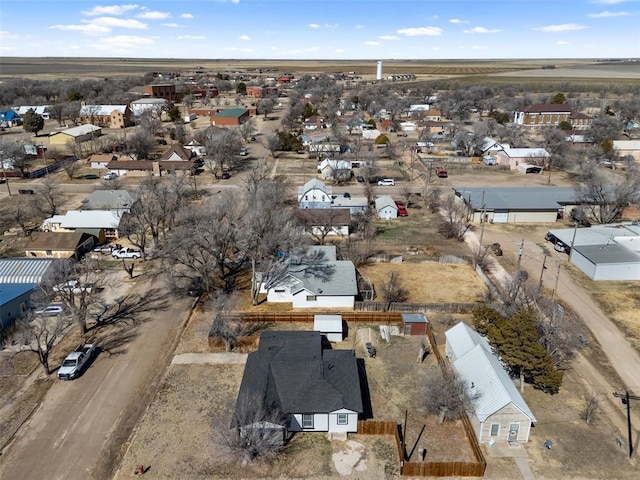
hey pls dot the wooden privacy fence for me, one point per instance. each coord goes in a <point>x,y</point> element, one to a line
<point>375,427</point>
<point>416,307</point>
<point>307,317</point>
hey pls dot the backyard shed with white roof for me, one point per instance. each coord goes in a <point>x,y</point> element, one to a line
<point>330,326</point>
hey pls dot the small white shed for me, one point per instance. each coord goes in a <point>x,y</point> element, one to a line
<point>330,326</point>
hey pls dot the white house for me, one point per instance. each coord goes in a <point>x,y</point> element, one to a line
<point>386,207</point>
<point>330,326</point>
<point>102,224</point>
<point>317,281</point>
<point>335,169</point>
<point>155,106</point>
<point>42,110</point>
<point>314,194</point>
<point>500,414</point>
<point>196,148</point>
<point>408,126</point>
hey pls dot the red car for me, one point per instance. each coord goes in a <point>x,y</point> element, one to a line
<point>402,210</point>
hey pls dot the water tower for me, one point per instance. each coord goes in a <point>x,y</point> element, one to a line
<point>379,71</point>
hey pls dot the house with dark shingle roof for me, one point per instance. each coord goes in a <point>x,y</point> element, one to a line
<point>59,244</point>
<point>316,388</point>
<point>176,153</point>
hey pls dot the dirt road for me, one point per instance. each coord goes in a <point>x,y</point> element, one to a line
<point>624,359</point>
<point>80,428</point>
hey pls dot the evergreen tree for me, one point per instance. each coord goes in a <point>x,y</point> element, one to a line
<point>32,122</point>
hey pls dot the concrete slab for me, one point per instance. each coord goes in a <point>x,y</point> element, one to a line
<point>226,358</point>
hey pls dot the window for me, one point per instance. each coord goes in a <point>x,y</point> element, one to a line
<point>343,419</point>
<point>495,429</point>
<point>307,420</point>
<point>311,298</point>
<point>279,290</point>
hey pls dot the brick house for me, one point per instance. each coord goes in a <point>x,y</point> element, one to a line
<point>550,114</point>
<point>163,90</point>
<point>262,91</point>
<point>230,117</point>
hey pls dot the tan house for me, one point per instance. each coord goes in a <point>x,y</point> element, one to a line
<point>500,414</point>
<point>513,157</point>
<point>79,134</point>
<point>59,244</point>
<point>630,148</point>
<point>107,116</point>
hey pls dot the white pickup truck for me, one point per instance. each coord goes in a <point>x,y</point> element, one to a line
<point>126,252</point>
<point>74,362</point>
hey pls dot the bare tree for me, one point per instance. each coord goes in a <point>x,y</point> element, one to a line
<point>591,408</point>
<point>140,144</point>
<point>14,154</point>
<point>455,223</point>
<point>392,290</point>
<point>39,334</point>
<point>448,395</point>
<point>247,129</point>
<point>226,326</point>
<point>257,434</point>
<point>71,168</point>
<point>150,122</point>
<point>223,146</point>
<point>266,106</point>
<point>48,198</point>
<point>273,144</point>
<point>22,213</point>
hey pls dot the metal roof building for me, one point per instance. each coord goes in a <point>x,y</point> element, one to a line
<point>23,270</point>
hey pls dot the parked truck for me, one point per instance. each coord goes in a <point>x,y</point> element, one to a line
<point>126,252</point>
<point>76,361</point>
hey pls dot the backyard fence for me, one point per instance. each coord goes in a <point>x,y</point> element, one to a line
<point>308,317</point>
<point>416,307</point>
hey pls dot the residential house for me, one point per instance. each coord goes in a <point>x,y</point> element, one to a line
<point>312,137</point>
<point>262,91</point>
<point>63,245</point>
<point>103,224</point>
<point>580,121</point>
<point>516,204</point>
<point>315,122</point>
<point>624,148</point>
<point>317,389</point>
<point>79,134</point>
<point>408,126</point>
<point>331,169</point>
<point>323,222</point>
<point>230,117</point>
<point>489,147</point>
<point>500,414</point>
<point>576,136</point>
<point>107,116</point>
<point>153,106</point>
<point>121,200</point>
<point>176,153</point>
<point>196,148</point>
<point>355,205</point>
<point>18,278</point>
<point>42,110</point>
<point>9,118</point>
<point>386,207</point>
<point>314,194</point>
<point>142,168</point>
<point>515,156</point>
<point>101,160</point>
<point>317,280</point>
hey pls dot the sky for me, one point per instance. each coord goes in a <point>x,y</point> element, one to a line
<point>321,29</point>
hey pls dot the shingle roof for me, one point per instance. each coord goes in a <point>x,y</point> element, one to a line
<point>548,108</point>
<point>23,270</point>
<point>330,217</point>
<point>291,370</point>
<point>55,241</point>
<point>178,150</point>
<point>341,279</point>
<point>109,200</point>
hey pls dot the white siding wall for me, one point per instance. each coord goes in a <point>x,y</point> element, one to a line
<point>282,297</point>
<point>300,301</point>
<point>583,263</point>
<point>617,272</point>
<point>320,423</point>
<point>352,421</point>
<point>505,417</point>
<point>533,217</point>
<point>388,212</point>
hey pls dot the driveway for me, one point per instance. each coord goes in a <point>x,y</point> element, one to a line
<point>79,429</point>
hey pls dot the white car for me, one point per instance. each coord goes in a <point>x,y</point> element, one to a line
<point>51,310</point>
<point>110,176</point>
<point>386,182</point>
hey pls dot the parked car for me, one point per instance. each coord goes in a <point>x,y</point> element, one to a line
<point>402,209</point>
<point>76,361</point>
<point>110,176</point>
<point>560,247</point>
<point>386,182</point>
<point>51,310</point>
<point>441,172</point>
<point>223,176</point>
<point>244,152</point>
<point>103,249</point>
<point>91,176</point>
<point>126,252</point>
<point>346,195</point>
<point>360,179</point>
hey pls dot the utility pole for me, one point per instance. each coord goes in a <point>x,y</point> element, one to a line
<point>626,401</point>
<point>555,288</point>
<point>4,175</point>
<point>482,222</point>
<point>544,267</point>
<point>520,252</point>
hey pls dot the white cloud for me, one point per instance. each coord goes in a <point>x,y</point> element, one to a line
<point>457,20</point>
<point>610,2</point>
<point>4,35</point>
<point>172,25</point>
<point>562,42</point>
<point>563,27</point>
<point>113,22</point>
<point>420,31</point>
<point>186,15</point>
<point>154,15</point>
<point>372,43</point>
<point>359,27</point>
<point>481,30</point>
<point>331,25</point>
<point>314,25</point>
<point>607,14</point>
<point>90,28</point>
<point>191,37</point>
<point>389,37</point>
<point>245,38</point>
<point>110,10</point>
